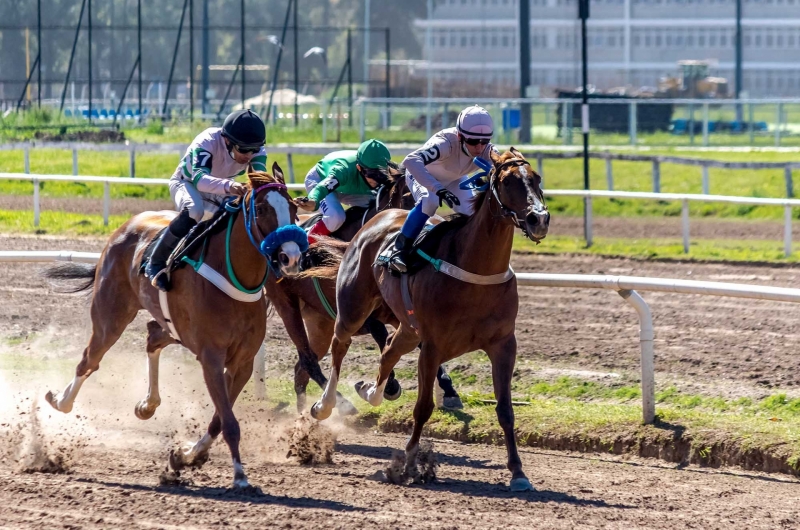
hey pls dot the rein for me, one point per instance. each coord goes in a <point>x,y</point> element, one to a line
<point>504,210</point>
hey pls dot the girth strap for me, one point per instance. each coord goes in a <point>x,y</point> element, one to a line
<point>404,290</point>
<point>162,299</point>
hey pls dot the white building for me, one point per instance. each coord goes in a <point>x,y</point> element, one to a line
<point>630,42</point>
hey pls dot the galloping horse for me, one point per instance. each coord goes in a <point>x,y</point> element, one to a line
<point>305,300</point>
<point>223,332</point>
<point>452,315</point>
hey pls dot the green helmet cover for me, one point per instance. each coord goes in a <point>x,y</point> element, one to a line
<point>373,154</point>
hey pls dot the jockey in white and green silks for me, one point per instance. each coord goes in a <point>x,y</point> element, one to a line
<point>344,178</point>
<point>205,175</point>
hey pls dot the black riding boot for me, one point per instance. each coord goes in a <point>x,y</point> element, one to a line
<point>178,228</point>
<point>402,251</point>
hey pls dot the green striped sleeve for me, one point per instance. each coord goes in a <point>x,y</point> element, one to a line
<point>259,163</point>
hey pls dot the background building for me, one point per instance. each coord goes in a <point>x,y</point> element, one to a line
<point>631,42</point>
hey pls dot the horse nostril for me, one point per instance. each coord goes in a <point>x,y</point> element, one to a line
<point>532,219</point>
<point>283,258</point>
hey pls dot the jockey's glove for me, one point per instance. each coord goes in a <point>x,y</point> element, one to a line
<point>447,196</point>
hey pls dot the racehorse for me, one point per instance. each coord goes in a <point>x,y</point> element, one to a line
<point>224,333</point>
<point>473,309</point>
<point>307,305</point>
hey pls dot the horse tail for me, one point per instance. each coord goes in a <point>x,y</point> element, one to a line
<point>323,258</point>
<point>73,271</point>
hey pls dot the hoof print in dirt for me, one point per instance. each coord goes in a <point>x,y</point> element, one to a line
<point>169,477</point>
<point>311,442</point>
<point>179,460</point>
<point>424,472</point>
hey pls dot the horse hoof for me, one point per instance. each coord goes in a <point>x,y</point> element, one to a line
<point>521,484</point>
<point>393,390</point>
<point>319,413</point>
<point>240,483</point>
<point>362,390</point>
<point>144,411</point>
<point>53,400</point>
<point>453,403</point>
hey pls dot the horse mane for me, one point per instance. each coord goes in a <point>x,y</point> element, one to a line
<point>478,198</point>
<point>259,178</point>
<point>323,258</point>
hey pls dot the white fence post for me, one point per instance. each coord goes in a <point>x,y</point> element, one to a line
<point>685,225</point>
<point>291,166</point>
<point>706,183</point>
<point>646,336</point>
<point>632,125</point>
<point>132,164</point>
<point>787,175</point>
<point>778,122</point>
<point>260,374</point>
<point>74,161</point>
<point>35,202</point>
<point>589,235</point>
<point>656,176</point>
<point>362,118</point>
<point>27,159</point>
<point>609,175</point>
<point>106,201</point>
<point>705,124</point>
<point>787,230</point>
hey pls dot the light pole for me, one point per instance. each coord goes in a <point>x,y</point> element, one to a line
<point>583,13</point>
<point>366,47</point>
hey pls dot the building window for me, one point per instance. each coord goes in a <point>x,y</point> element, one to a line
<point>648,41</point>
<point>463,41</point>
<point>494,40</point>
<point>505,41</point>
<point>723,40</point>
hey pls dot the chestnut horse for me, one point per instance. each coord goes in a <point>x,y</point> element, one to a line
<point>454,316</point>
<point>224,333</point>
<point>305,316</point>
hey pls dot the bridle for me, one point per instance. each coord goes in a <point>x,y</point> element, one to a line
<point>271,242</point>
<point>504,210</point>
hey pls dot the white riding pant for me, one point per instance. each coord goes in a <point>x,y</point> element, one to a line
<point>333,215</point>
<point>430,201</point>
<point>200,205</point>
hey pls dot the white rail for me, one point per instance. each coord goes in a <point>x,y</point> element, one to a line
<point>625,286</point>
<point>588,195</point>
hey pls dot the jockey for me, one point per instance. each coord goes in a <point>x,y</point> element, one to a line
<point>205,175</point>
<point>434,172</point>
<point>344,177</point>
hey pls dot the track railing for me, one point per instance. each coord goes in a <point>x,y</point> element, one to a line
<point>588,195</point>
<point>625,286</point>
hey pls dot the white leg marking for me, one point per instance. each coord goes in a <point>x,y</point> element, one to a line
<point>147,407</point>
<point>322,409</point>
<point>63,402</point>
<point>373,393</point>
<point>239,478</point>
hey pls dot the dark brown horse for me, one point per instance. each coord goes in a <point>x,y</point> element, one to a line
<point>297,300</point>
<point>455,316</point>
<point>224,333</point>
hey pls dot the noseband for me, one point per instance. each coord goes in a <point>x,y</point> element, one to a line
<point>283,234</point>
<point>504,210</point>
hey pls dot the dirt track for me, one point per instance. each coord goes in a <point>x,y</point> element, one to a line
<point>722,345</point>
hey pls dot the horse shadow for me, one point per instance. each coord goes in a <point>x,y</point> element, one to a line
<point>252,495</point>
<point>385,454</point>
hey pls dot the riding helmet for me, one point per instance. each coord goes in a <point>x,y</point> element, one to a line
<point>244,128</point>
<point>475,122</point>
<point>373,154</point>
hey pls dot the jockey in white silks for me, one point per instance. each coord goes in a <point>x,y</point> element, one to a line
<point>434,172</point>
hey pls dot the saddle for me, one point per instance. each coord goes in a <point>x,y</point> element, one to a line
<point>352,213</point>
<point>198,235</point>
<point>426,243</point>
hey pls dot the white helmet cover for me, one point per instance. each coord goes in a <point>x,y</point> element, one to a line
<point>475,122</point>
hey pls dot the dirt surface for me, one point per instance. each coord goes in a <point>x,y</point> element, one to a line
<point>114,461</point>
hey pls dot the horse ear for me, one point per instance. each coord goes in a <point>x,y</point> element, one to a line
<point>495,156</point>
<point>515,152</point>
<point>277,172</point>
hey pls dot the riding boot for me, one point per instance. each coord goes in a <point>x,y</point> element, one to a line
<point>319,229</point>
<point>412,227</point>
<point>178,228</point>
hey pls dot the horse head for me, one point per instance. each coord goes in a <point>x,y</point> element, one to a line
<point>268,201</point>
<point>518,190</point>
<point>393,193</point>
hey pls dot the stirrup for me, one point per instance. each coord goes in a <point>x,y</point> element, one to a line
<point>161,280</point>
<point>396,265</point>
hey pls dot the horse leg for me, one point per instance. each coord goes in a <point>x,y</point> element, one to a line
<point>301,379</point>
<point>380,334</point>
<point>320,332</point>
<point>157,340</point>
<point>450,398</point>
<point>503,356</point>
<point>426,368</point>
<point>322,409</point>
<point>218,389</point>
<point>402,341</point>
<point>112,311</point>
